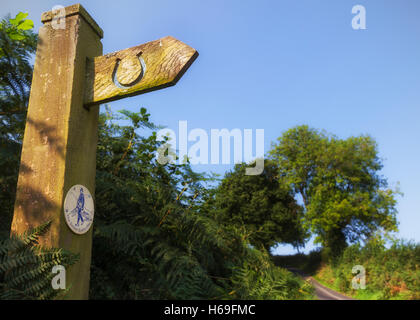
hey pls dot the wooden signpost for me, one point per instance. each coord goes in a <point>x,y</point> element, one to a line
<point>71,77</point>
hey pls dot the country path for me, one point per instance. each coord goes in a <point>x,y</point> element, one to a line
<point>321,292</point>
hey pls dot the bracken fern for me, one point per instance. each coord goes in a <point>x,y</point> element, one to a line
<point>26,267</point>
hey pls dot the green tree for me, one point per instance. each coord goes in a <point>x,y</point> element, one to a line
<point>260,204</point>
<point>345,197</point>
<point>17,44</point>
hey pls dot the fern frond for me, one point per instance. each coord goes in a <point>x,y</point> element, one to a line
<point>26,267</point>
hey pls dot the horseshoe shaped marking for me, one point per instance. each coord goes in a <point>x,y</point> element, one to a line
<point>133,82</point>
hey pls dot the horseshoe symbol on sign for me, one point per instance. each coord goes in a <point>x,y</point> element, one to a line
<point>128,71</point>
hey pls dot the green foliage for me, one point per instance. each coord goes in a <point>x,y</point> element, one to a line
<point>257,279</point>
<point>308,263</point>
<point>26,267</point>
<point>9,169</point>
<point>17,44</point>
<point>148,219</point>
<point>393,272</point>
<point>345,198</point>
<point>17,26</point>
<point>259,204</point>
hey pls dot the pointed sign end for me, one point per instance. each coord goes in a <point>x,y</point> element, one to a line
<point>161,63</point>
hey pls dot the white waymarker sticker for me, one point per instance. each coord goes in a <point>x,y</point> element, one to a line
<point>79,209</point>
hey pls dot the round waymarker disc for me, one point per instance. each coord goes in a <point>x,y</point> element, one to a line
<point>79,209</point>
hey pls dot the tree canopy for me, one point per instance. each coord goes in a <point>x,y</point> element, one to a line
<point>260,204</point>
<point>344,196</point>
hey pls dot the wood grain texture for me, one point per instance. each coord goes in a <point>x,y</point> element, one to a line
<point>120,74</point>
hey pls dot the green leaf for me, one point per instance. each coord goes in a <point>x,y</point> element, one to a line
<point>15,35</point>
<point>18,19</point>
<point>26,25</point>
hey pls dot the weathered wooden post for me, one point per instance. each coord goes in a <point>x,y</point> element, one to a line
<point>59,148</point>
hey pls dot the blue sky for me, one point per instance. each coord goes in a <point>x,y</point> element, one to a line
<point>275,64</point>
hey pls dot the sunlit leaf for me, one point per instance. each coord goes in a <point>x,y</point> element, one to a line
<point>18,19</point>
<point>26,25</point>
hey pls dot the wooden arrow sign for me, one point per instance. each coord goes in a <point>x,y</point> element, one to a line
<point>58,162</point>
<point>151,66</point>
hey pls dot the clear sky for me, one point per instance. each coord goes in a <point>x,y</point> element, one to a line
<point>275,64</point>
